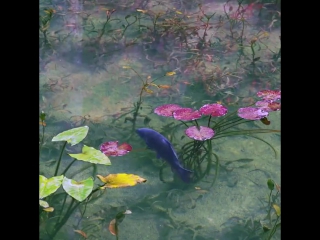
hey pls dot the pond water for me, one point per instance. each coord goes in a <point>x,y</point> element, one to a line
<point>107,64</point>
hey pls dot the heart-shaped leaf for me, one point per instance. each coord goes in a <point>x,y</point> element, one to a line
<point>78,190</point>
<point>49,186</point>
<point>43,204</point>
<point>90,154</point>
<point>120,180</point>
<point>72,136</point>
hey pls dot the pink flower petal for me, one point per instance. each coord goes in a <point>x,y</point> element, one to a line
<point>186,114</point>
<point>252,113</point>
<point>201,134</point>
<point>112,149</point>
<point>269,94</point>
<point>214,109</point>
<point>166,110</point>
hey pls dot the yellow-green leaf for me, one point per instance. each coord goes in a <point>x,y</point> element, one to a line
<point>43,204</point>
<point>170,73</point>
<point>78,190</point>
<point>48,186</point>
<point>120,180</point>
<point>90,154</point>
<point>178,12</point>
<point>277,209</point>
<point>72,136</point>
<point>49,209</point>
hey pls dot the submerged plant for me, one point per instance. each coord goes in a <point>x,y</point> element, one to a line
<point>195,153</point>
<point>53,218</point>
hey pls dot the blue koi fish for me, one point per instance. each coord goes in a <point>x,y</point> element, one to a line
<point>161,145</point>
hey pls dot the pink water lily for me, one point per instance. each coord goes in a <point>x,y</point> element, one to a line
<point>214,109</point>
<point>201,134</point>
<point>186,114</point>
<point>112,148</point>
<point>166,110</point>
<point>269,94</point>
<point>252,113</point>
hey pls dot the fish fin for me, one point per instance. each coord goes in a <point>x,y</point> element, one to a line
<point>183,173</point>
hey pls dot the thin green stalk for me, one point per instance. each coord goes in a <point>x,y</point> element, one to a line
<point>67,168</point>
<point>273,231</point>
<point>58,164</point>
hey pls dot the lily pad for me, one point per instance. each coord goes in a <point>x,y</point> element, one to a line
<point>201,134</point>
<point>72,136</point>
<point>214,109</point>
<point>90,154</point>
<point>112,149</point>
<point>166,110</point>
<point>186,114</point>
<point>120,180</point>
<point>269,94</point>
<point>78,190</point>
<point>252,113</point>
<point>49,186</point>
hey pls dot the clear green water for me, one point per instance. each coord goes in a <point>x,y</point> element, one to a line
<point>83,82</point>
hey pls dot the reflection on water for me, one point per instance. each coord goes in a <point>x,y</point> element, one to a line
<point>95,57</point>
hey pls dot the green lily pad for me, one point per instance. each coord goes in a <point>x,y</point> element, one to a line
<point>49,185</point>
<point>90,154</point>
<point>43,203</point>
<point>78,190</point>
<point>72,136</point>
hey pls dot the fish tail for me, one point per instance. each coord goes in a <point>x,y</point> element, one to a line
<point>184,174</point>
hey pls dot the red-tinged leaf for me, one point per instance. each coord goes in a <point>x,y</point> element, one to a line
<point>112,149</point>
<point>166,110</point>
<point>113,227</point>
<point>201,134</point>
<point>186,114</point>
<point>81,233</point>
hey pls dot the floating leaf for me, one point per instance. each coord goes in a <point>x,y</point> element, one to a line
<point>164,86</point>
<point>268,105</point>
<point>49,186</point>
<point>81,232</point>
<point>90,154</point>
<point>178,12</point>
<point>126,67</point>
<point>120,180</point>
<point>201,134</point>
<point>269,94</point>
<point>252,113</point>
<point>72,136</point>
<point>43,204</point>
<point>186,114</point>
<point>166,110</point>
<point>170,73</point>
<point>78,190</point>
<point>214,109</point>
<point>49,209</point>
<point>112,149</point>
<point>113,227</point>
<point>277,209</point>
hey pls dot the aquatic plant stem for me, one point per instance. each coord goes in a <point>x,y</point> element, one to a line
<point>58,164</point>
<point>273,230</point>
<point>67,168</point>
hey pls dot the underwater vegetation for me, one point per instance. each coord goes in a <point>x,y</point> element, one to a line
<point>191,80</point>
